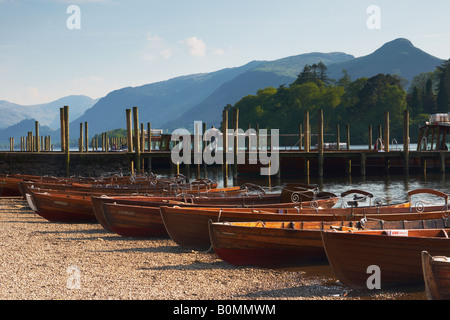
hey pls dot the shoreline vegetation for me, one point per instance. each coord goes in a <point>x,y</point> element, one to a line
<point>358,103</point>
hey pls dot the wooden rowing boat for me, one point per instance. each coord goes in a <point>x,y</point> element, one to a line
<point>73,207</point>
<point>61,207</point>
<point>132,202</point>
<point>229,203</point>
<point>188,227</point>
<point>163,189</point>
<point>380,259</point>
<point>134,221</point>
<point>132,224</point>
<point>10,183</point>
<point>289,244</point>
<point>76,206</point>
<point>436,273</point>
<point>230,196</point>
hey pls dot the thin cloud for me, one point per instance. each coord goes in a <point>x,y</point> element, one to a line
<point>166,53</point>
<point>196,46</point>
<point>153,38</point>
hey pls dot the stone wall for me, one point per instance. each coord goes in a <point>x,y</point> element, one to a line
<point>53,164</point>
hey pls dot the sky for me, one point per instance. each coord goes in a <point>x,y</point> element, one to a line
<point>50,49</point>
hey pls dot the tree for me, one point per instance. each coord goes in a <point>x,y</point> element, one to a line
<point>443,95</point>
<point>316,73</point>
<point>322,72</point>
<point>415,104</point>
<point>429,98</point>
<point>305,76</point>
<point>345,80</point>
<point>368,99</point>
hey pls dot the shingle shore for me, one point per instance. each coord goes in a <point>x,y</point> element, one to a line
<point>41,260</point>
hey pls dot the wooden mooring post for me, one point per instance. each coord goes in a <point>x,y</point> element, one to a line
<point>130,136</point>
<point>137,157</point>
<point>386,141</point>
<point>307,138</point>
<point>37,143</point>
<point>406,140</point>
<point>67,140</point>
<point>63,129</point>
<point>86,137</point>
<point>81,139</point>
<point>225,138</point>
<point>320,142</point>
<point>236,142</point>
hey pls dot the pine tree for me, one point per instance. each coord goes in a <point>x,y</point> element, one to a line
<point>322,72</point>
<point>416,102</point>
<point>429,98</point>
<point>443,95</point>
<point>315,73</point>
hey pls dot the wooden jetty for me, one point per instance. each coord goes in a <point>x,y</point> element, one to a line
<point>151,149</point>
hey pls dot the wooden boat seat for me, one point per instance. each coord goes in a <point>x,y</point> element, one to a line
<point>443,233</point>
<point>352,204</point>
<point>289,225</point>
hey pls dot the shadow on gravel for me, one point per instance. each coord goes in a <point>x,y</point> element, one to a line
<point>195,266</point>
<point>307,291</point>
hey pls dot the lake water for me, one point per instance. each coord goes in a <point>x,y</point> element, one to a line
<point>389,188</point>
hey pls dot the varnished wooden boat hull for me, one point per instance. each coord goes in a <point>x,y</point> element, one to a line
<point>10,185</point>
<point>351,255</point>
<point>98,201</point>
<point>188,227</point>
<point>120,189</point>
<point>63,209</point>
<point>231,203</point>
<point>134,221</point>
<point>257,245</point>
<point>436,273</point>
<point>287,244</point>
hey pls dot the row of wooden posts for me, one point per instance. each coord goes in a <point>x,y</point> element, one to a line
<point>305,132</point>
<point>304,143</point>
<point>38,143</point>
<point>383,140</point>
<point>136,137</point>
<point>134,143</point>
<point>107,143</point>
<point>32,143</point>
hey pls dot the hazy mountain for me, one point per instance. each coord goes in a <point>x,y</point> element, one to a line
<point>398,57</point>
<point>266,74</point>
<point>21,129</point>
<point>47,114</point>
<point>157,102</point>
<point>180,101</point>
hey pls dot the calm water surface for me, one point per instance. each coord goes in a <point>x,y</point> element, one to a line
<point>391,188</point>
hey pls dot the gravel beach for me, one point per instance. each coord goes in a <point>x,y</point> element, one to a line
<point>41,260</point>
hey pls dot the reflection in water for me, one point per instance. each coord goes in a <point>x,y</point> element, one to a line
<point>391,188</point>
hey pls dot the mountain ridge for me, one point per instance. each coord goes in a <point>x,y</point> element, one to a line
<point>398,57</point>
<point>47,113</point>
<point>180,101</point>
